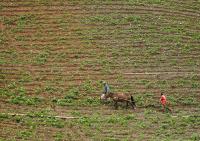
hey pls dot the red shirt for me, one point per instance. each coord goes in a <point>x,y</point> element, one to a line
<point>163,100</point>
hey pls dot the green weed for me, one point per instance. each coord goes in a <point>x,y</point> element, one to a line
<point>11,55</point>
<point>182,82</point>
<point>76,113</point>
<point>141,124</point>
<point>61,56</point>
<point>2,61</point>
<point>8,20</point>
<point>4,116</point>
<point>59,136</point>
<point>50,89</point>
<point>2,38</point>
<point>143,82</point>
<point>172,100</point>
<point>150,85</point>
<point>24,134</point>
<point>5,92</point>
<point>195,77</point>
<point>70,98</point>
<point>54,122</point>
<point>20,91</point>
<point>196,36</point>
<point>89,121</point>
<point>24,100</point>
<point>45,119</point>
<point>119,119</point>
<point>195,137</point>
<point>18,119</point>
<point>88,87</point>
<point>63,102</point>
<point>162,84</point>
<point>20,38</point>
<point>154,50</point>
<point>1,7</point>
<point>41,58</point>
<point>12,85</point>
<point>188,100</point>
<point>72,93</point>
<point>133,19</point>
<point>38,90</point>
<point>17,95</point>
<point>111,19</point>
<point>192,62</point>
<point>22,21</point>
<point>195,85</point>
<point>90,102</point>
<point>186,48</point>
<point>26,77</point>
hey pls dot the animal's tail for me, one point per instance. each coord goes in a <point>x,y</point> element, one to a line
<point>133,101</point>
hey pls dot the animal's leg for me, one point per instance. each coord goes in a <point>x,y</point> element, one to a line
<point>133,106</point>
<point>127,104</point>
<point>133,102</point>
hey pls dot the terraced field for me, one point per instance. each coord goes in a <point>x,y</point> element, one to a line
<point>54,55</point>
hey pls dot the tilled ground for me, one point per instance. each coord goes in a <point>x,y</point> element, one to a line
<point>48,48</point>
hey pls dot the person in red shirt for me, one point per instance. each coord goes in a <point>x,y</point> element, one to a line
<point>163,101</point>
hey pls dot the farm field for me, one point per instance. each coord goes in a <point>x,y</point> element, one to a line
<point>54,54</point>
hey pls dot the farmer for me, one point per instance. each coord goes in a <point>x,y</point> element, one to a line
<point>163,101</point>
<point>106,91</point>
<point>106,88</point>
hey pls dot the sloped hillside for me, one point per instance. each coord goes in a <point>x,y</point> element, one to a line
<point>54,55</point>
